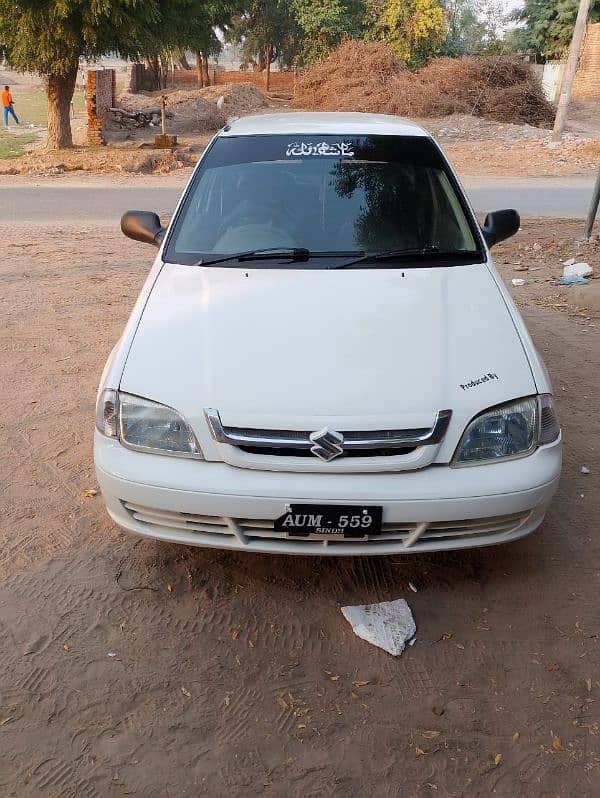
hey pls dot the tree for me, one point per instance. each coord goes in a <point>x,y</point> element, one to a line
<point>217,14</point>
<point>414,29</point>
<point>324,23</point>
<point>474,27</point>
<point>267,32</point>
<point>546,26</point>
<point>50,36</point>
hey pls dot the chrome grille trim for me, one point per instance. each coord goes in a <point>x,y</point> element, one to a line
<point>409,534</point>
<point>290,439</point>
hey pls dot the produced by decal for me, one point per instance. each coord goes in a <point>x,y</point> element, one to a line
<point>485,378</point>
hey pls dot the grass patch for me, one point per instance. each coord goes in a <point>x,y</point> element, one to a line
<point>12,144</point>
<point>30,106</point>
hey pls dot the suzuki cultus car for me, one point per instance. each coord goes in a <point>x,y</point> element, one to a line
<point>323,359</point>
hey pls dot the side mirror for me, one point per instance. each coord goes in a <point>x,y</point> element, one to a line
<point>143,226</point>
<point>499,225</point>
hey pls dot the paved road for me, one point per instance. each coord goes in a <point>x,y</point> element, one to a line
<point>105,202</point>
<point>541,196</point>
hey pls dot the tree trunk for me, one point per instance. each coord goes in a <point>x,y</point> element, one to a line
<point>206,75</point>
<point>199,70</point>
<point>153,75</point>
<point>59,91</point>
<point>268,53</point>
<point>164,72</point>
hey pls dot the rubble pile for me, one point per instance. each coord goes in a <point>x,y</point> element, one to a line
<point>187,111</point>
<point>238,98</point>
<point>144,117</point>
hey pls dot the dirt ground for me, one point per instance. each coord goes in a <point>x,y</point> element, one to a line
<point>537,256</point>
<point>130,667</point>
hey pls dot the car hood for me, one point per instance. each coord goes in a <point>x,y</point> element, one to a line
<point>298,348</point>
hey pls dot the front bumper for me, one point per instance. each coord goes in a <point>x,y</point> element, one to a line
<point>216,505</point>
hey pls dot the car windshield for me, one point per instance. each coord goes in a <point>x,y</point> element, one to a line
<point>335,196</point>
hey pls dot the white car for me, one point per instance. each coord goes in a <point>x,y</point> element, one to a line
<point>323,359</point>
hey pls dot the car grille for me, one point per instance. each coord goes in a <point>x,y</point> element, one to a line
<point>294,443</point>
<point>247,530</point>
<point>282,451</point>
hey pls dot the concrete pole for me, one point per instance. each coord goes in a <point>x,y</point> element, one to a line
<point>199,70</point>
<point>591,218</point>
<point>569,77</point>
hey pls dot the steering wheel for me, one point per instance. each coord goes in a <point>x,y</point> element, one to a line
<point>250,213</point>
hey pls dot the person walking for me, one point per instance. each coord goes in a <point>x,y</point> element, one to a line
<point>7,105</point>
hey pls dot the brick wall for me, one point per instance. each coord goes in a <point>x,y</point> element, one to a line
<point>140,80</point>
<point>283,81</point>
<point>587,79</point>
<point>100,94</point>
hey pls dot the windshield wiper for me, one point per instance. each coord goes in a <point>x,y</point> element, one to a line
<point>291,253</point>
<point>302,254</point>
<point>402,254</point>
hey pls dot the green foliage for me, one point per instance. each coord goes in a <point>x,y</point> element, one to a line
<point>414,29</point>
<point>49,36</point>
<point>324,23</point>
<point>298,32</point>
<point>474,27</point>
<point>215,14</point>
<point>547,26</point>
<point>267,26</point>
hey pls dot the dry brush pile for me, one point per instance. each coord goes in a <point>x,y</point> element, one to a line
<point>364,76</point>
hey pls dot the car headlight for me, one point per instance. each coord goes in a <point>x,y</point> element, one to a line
<point>511,430</point>
<point>144,425</point>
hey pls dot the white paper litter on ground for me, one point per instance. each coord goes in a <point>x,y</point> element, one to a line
<point>387,625</point>
<point>577,270</point>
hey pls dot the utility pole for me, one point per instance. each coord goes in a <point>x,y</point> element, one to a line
<point>591,218</point>
<point>566,89</point>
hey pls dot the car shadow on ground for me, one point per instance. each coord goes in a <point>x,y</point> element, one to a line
<point>154,564</point>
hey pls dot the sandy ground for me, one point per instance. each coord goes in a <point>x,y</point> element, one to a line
<point>135,668</point>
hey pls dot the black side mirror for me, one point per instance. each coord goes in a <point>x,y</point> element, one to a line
<point>499,225</point>
<point>143,226</point>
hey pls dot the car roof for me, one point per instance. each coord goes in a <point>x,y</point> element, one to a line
<point>332,123</point>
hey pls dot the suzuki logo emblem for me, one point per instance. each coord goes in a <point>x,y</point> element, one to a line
<point>328,444</point>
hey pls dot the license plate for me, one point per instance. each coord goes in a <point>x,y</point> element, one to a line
<point>329,521</point>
